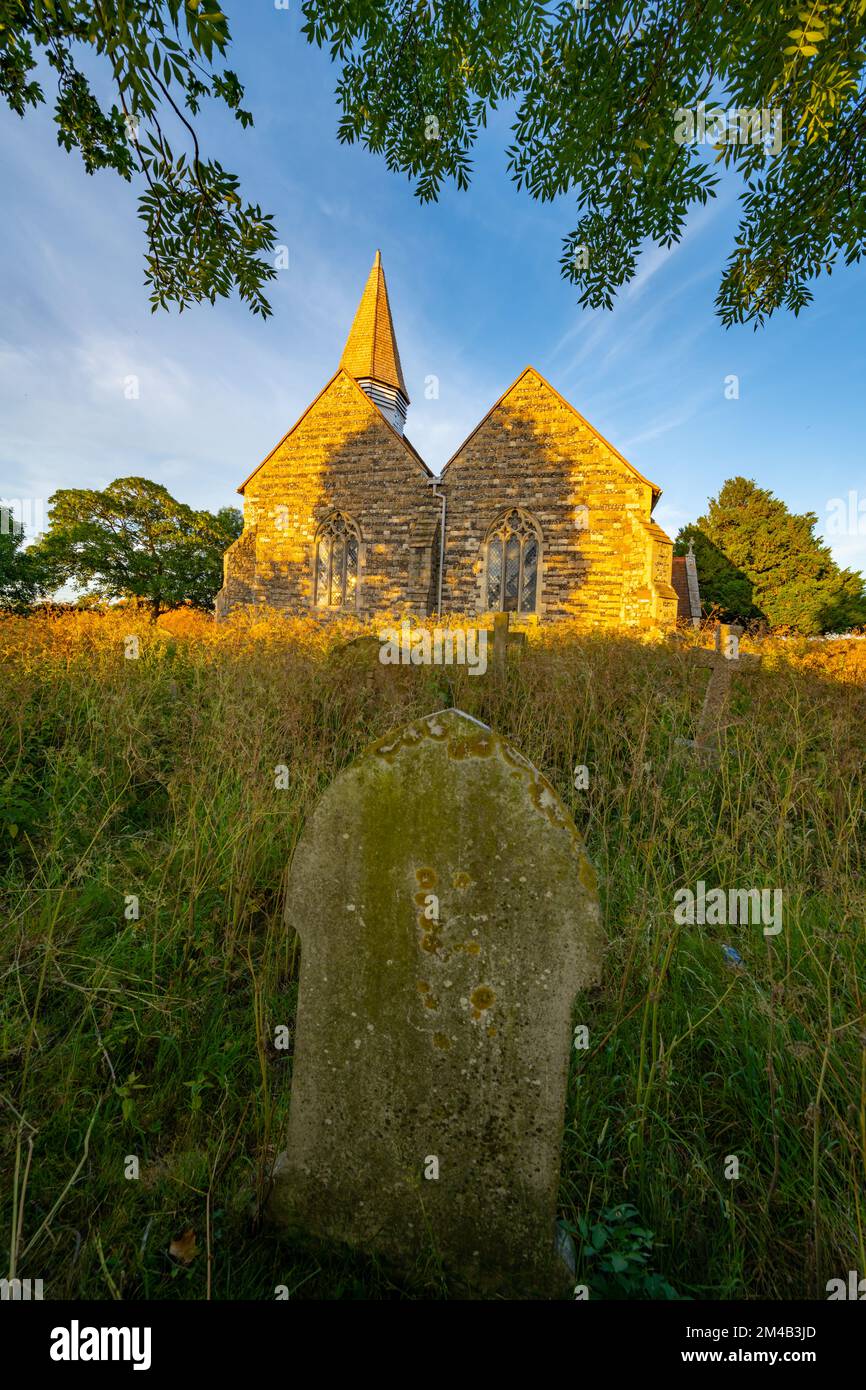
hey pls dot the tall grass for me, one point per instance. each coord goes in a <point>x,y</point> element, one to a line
<point>151,1038</point>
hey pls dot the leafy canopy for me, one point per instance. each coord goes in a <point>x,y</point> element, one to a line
<point>133,540</point>
<point>202,240</point>
<point>600,94</point>
<point>21,577</point>
<point>757,559</point>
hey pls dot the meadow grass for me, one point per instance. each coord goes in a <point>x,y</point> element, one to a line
<point>154,1037</point>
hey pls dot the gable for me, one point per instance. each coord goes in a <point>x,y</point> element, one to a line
<point>348,409</point>
<point>529,390</point>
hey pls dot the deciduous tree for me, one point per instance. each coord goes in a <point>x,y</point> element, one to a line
<point>21,576</point>
<point>161,57</point>
<point>602,93</point>
<point>134,540</point>
<point>630,107</point>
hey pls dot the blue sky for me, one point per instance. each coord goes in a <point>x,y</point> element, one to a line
<point>475,293</point>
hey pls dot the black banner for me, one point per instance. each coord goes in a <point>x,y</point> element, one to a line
<point>64,1339</point>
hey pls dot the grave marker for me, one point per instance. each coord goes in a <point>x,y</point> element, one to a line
<point>448,918</point>
<point>502,639</point>
<point>726,661</point>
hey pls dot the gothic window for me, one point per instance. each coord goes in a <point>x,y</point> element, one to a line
<point>513,553</point>
<point>336,576</point>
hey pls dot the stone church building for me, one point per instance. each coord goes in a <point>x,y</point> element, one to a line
<point>535,514</point>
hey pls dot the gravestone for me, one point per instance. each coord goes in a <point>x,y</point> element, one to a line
<point>725,660</point>
<point>358,659</point>
<point>501,638</point>
<point>448,917</point>
<point>361,653</point>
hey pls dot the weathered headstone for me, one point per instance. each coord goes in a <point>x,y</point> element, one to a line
<point>360,653</point>
<point>448,918</point>
<point>358,659</point>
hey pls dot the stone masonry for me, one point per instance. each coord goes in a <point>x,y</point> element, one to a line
<point>342,455</point>
<point>603,559</point>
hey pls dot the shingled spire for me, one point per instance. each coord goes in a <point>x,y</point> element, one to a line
<point>371,355</point>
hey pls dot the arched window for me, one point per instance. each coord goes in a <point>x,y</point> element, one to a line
<point>336,577</point>
<point>513,549</point>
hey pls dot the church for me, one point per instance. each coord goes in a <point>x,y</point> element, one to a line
<point>535,514</point>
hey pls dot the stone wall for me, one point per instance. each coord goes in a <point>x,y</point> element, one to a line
<point>341,455</point>
<point>608,565</point>
<point>239,573</point>
<point>604,561</point>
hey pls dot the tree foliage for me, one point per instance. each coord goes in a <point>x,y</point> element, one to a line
<point>202,240</point>
<point>725,590</point>
<point>21,576</point>
<point>757,559</point>
<point>133,540</point>
<point>599,94</point>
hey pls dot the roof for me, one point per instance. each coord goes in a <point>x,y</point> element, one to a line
<point>680,581</point>
<point>656,531</point>
<point>684,577</point>
<point>371,347</point>
<point>341,371</point>
<point>656,491</point>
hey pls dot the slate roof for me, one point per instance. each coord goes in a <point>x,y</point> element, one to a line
<point>680,581</point>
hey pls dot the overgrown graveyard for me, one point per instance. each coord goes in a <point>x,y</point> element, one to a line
<point>149,809</point>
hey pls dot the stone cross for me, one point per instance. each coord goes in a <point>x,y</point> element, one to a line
<point>448,918</point>
<point>502,639</point>
<point>726,660</point>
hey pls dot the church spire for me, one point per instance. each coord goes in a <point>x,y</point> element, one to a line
<point>371,355</point>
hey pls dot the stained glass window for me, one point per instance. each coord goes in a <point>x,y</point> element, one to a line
<point>494,572</point>
<point>530,575</point>
<point>512,573</point>
<point>512,564</point>
<point>323,568</point>
<point>336,562</point>
<point>351,568</point>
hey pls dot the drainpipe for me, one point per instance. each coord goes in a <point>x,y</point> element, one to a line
<point>434,483</point>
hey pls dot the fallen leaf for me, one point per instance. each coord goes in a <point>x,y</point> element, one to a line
<point>184,1247</point>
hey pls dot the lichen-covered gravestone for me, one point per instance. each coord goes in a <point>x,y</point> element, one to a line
<point>448,917</point>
